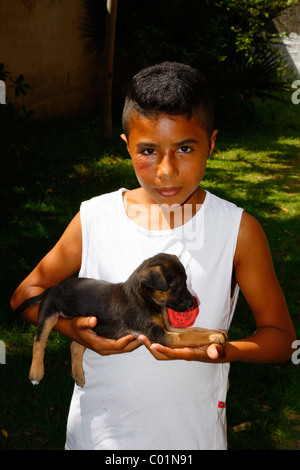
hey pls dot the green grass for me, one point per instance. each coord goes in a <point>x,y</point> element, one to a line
<point>49,168</point>
<point>259,171</point>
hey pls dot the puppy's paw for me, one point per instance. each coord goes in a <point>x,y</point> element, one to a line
<point>36,374</point>
<point>33,381</point>
<point>79,379</point>
<point>218,336</point>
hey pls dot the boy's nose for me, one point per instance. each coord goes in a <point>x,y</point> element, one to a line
<point>167,168</point>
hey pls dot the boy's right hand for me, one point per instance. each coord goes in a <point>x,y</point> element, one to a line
<point>81,332</point>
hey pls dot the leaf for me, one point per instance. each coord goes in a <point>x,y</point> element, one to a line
<point>242,427</point>
<point>282,208</point>
<point>5,433</point>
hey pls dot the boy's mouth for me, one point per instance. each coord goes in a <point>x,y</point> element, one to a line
<point>168,192</point>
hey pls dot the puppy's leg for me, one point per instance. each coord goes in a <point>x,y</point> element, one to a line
<point>37,366</point>
<point>191,337</point>
<point>77,351</point>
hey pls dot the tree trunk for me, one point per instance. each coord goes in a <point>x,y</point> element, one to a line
<point>108,65</point>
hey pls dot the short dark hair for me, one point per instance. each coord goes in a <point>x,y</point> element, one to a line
<point>169,88</point>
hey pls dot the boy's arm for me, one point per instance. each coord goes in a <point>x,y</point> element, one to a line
<point>256,277</point>
<point>63,261</point>
<point>254,272</point>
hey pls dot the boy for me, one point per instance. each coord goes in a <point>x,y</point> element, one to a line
<point>131,401</point>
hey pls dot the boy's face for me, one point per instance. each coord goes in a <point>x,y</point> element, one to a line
<point>169,155</point>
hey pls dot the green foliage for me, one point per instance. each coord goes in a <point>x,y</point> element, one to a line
<point>230,41</point>
<point>19,83</point>
<point>249,23</point>
<point>10,112</point>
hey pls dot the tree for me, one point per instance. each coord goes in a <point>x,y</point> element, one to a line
<point>108,66</point>
<point>102,47</point>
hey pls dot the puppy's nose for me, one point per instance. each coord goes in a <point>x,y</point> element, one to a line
<point>188,303</point>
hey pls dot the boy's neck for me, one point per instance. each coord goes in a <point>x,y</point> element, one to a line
<point>152,216</point>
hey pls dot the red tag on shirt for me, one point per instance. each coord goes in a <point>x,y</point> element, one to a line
<point>184,319</point>
<point>221,404</point>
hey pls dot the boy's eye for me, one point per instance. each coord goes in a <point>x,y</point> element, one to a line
<point>148,152</point>
<point>185,149</point>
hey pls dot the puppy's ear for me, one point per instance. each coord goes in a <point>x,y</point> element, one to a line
<point>153,277</point>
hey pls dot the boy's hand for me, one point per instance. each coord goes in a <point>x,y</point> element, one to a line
<point>207,353</point>
<point>80,330</point>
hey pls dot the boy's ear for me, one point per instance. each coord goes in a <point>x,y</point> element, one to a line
<point>212,142</point>
<point>123,137</point>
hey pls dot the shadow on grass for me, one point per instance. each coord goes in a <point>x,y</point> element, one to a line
<point>259,404</point>
<point>269,190</point>
<point>261,397</point>
<point>34,417</point>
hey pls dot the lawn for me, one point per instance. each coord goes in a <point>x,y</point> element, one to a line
<point>49,168</point>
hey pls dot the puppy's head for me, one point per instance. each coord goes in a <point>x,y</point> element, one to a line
<point>163,279</point>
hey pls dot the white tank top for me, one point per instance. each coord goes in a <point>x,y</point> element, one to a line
<point>132,401</point>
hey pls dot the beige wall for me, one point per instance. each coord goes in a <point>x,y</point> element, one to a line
<point>40,39</point>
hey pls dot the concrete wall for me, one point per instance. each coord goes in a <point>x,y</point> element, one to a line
<point>289,23</point>
<point>40,39</point>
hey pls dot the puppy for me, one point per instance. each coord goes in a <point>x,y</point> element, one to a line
<point>137,306</point>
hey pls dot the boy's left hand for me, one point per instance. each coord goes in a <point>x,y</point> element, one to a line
<point>208,353</point>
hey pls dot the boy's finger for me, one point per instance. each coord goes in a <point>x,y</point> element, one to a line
<point>221,350</point>
<point>144,340</point>
<point>122,342</point>
<point>215,351</point>
<point>86,322</point>
<point>125,344</point>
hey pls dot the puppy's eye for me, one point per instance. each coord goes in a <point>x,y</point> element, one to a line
<point>173,285</point>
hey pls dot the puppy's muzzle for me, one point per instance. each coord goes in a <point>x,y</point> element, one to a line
<point>182,304</point>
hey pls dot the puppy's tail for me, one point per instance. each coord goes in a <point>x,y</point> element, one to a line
<point>27,303</point>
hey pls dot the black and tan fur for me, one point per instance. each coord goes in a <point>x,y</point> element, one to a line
<point>137,306</point>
